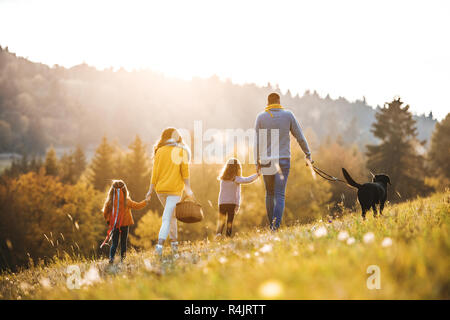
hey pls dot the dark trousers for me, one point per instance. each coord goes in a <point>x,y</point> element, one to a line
<point>275,193</point>
<point>123,235</point>
<point>226,212</point>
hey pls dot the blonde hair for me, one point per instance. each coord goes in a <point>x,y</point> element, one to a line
<point>231,170</point>
<point>167,134</point>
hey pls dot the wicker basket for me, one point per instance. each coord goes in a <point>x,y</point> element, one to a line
<point>189,211</point>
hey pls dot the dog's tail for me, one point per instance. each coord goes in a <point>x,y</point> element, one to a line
<point>349,179</point>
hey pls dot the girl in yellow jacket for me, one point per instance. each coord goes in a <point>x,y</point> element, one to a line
<point>117,213</point>
<point>170,176</point>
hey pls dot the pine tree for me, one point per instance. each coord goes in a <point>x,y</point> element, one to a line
<point>137,174</point>
<point>66,169</point>
<point>79,162</point>
<point>102,166</point>
<point>439,155</point>
<point>120,165</point>
<point>51,163</point>
<point>396,155</point>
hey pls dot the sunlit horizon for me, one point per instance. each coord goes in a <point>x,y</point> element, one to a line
<point>351,49</point>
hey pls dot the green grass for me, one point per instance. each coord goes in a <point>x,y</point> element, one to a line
<point>291,264</point>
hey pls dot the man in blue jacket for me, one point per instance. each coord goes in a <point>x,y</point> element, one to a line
<point>273,153</point>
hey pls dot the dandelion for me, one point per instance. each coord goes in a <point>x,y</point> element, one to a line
<point>369,237</point>
<point>92,276</point>
<point>342,236</point>
<point>148,265</point>
<point>24,286</point>
<point>387,242</point>
<point>45,283</point>
<point>350,241</point>
<point>223,260</point>
<point>271,289</point>
<point>266,248</point>
<point>320,232</point>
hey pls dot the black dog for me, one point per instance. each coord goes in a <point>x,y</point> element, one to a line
<point>372,193</point>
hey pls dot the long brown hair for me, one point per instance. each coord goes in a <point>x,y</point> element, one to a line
<point>232,169</point>
<point>116,184</point>
<point>167,134</point>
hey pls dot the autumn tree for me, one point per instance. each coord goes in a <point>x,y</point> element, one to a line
<point>47,218</point>
<point>51,163</point>
<point>66,169</point>
<point>137,169</point>
<point>332,157</point>
<point>101,168</point>
<point>79,162</point>
<point>439,155</point>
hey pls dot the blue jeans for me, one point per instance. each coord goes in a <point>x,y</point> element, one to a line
<point>275,193</point>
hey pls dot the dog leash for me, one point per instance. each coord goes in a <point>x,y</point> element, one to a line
<point>327,176</point>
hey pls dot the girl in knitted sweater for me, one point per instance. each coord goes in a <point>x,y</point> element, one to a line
<point>230,193</point>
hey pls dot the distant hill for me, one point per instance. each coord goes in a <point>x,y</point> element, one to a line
<point>42,105</point>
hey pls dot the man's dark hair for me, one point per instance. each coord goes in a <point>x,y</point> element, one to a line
<point>273,98</point>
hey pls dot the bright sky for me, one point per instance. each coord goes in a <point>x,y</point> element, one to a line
<point>377,49</point>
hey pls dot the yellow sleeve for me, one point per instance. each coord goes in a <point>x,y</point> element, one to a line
<point>185,165</point>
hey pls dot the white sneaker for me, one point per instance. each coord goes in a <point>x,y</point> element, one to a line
<point>159,249</point>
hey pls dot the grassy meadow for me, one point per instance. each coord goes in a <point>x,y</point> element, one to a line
<point>410,244</point>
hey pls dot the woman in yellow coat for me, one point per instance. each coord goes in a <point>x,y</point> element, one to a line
<point>170,177</point>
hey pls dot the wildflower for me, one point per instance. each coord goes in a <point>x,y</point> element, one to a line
<point>45,283</point>
<point>342,236</point>
<point>222,260</point>
<point>25,286</point>
<point>271,289</point>
<point>387,242</point>
<point>256,253</point>
<point>247,256</point>
<point>350,241</point>
<point>92,276</point>
<point>266,248</point>
<point>369,237</point>
<point>148,265</point>
<point>320,232</point>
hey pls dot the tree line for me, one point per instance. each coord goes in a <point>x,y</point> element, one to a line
<point>42,106</point>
